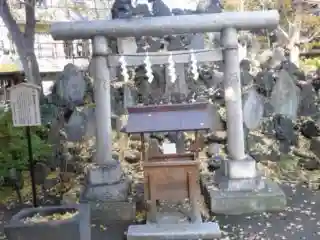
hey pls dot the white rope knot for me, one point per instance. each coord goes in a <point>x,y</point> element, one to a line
<point>194,65</point>
<point>124,69</point>
<point>148,67</point>
<point>172,69</point>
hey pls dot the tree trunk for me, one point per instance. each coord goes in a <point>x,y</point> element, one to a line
<point>293,45</point>
<point>34,76</point>
<point>29,60</point>
<point>295,34</point>
<point>295,55</point>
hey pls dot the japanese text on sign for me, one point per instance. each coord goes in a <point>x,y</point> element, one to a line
<point>24,101</point>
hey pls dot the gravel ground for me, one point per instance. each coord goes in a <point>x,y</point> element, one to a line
<point>300,220</point>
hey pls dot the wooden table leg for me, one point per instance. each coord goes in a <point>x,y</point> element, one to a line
<point>151,203</point>
<point>194,198</point>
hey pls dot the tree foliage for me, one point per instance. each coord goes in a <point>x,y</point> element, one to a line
<point>14,150</point>
<point>298,24</point>
<point>293,13</point>
<point>290,14</point>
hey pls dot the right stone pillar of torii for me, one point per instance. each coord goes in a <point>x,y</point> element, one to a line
<point>238,187</point>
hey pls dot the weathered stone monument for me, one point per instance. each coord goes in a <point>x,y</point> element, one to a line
<point>238,188</point>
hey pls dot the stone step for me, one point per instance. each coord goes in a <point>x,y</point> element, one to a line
<point>190,231</point>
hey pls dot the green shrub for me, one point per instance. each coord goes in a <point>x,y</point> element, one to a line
<point>311,45</point>
<point>310,64</point>
<point>13,145</point>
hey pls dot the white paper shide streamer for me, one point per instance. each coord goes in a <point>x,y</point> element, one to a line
<point>194,65</point>
<point>148,67</point>
<point>172,69</point>
<point>124,69</point>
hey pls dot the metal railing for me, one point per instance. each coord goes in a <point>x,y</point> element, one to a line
<point>81,8</point>
<point>58,50</point>
<point>66,50</point>
<point>59,5</point>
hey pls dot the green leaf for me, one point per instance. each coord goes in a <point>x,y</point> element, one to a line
<point>13,141</point>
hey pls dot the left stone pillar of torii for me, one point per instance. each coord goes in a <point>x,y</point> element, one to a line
<point>106,187</point>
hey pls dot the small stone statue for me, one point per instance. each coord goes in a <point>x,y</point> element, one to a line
<point>159,8</point>
<point>122,9</point>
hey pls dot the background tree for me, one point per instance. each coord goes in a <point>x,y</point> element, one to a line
<point>23,40</point>
<point>298,23</point>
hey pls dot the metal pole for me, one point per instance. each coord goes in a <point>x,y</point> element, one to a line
<point>102,80</point>
<point>31,167</point>
<point>232,86</point>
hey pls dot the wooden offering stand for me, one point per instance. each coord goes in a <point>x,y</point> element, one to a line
<point>171,177</point>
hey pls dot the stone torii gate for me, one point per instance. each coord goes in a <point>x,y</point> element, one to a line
<point>239,166</point>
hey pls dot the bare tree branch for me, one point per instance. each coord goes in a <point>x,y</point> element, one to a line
<point>282,33</point>
<point>313,36</point>
<point>24,41</point>
<point>9,21</point>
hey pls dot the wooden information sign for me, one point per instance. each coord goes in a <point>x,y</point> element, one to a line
<point>24,102</point>
<point>25,107</point>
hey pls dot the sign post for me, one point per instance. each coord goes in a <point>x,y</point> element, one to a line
<point>25,106</point>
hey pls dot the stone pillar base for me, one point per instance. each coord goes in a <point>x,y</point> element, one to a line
<point>107,191</point>
<point>240,169</point>
<point>235,196</point>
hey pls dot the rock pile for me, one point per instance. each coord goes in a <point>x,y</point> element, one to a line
<point>289,123</point>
